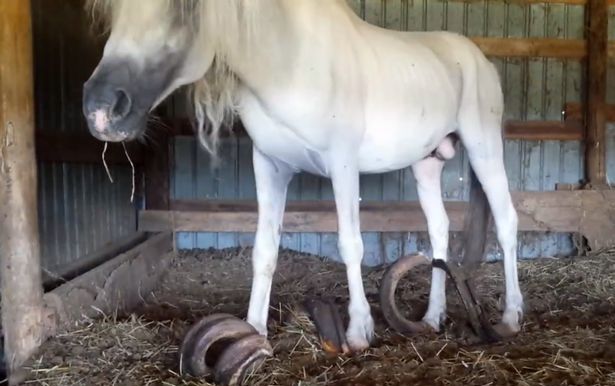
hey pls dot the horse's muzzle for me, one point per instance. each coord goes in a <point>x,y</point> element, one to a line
<point>110,105</point>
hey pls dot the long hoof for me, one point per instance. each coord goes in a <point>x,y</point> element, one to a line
<point>387,295</point>
<point>223,346</point>
<point>478,319</point>
<point>241,358</point>
<point>329,324</point>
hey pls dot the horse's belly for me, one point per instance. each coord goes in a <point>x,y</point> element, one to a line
<point>281,143</point>
<point>392,145</point>
<point>395,155</point>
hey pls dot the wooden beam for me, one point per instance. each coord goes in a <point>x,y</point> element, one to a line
<point>591,213</point>
<point>513,129</point>
<point>83,148</point>
<point>117,286</point>
<point>529,2</point>
<point>68,272</point>
<point>595,116</point>
<point>573,111</point>
<point>157,168</point>
<point>299,217</point>
<point>23,313</point>
<point>544,130</point>
<point>532,47</point>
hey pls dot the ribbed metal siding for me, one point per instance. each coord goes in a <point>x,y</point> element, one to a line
<point>534,89</point>
<point>80,211</point>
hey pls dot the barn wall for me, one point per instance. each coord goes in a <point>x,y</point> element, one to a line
<point>534,89</point>
<point>80,210</point>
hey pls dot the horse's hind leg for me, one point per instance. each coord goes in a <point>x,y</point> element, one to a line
<point>487,160</point>
<point>428,174</point>
<point>272,180</point>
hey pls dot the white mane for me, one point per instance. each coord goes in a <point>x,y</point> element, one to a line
<point>229,26</point>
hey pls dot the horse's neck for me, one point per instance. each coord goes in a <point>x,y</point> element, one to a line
<point>281,30</point>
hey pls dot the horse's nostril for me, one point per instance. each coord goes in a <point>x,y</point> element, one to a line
<point>123,104</point>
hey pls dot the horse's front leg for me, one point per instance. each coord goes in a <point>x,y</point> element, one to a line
<point>272,178</point>
<point>345,179</point>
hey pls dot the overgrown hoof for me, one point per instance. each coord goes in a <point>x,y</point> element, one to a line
<point>241,358</point>
<point>479,322</point>
<point>329,324</point>
<point>222,346</point>
<point>387,296</point>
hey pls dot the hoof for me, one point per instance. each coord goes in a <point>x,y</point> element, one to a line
<point>329,324</point>
<point>387,296</point>
<point>205,349</point>
<point>242,358</point>
<point>481,326</point>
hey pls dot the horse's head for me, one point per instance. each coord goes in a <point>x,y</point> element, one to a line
<point>153,48</point>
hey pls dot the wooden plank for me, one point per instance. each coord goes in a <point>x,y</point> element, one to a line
<point>532,47</point>
<point>591,213</point>
<point>24,318</point>
<point>573,111</point>
<point>301,216</point>
<point>544,130</point>
<point>514,129</point>
<point>528,2</point>
<point>83,148</point>
<point>70,271</point>
<point>114,287</point>
<point>595,141</point>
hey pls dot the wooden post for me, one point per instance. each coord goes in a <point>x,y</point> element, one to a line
<point>595,119</point>
<point>23,319</point>
<point>157,172</point>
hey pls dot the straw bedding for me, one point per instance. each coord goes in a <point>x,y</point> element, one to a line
<point>568,337</point>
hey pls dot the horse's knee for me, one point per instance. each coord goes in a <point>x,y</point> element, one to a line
<point>351,248</point>
<point>264,259</point>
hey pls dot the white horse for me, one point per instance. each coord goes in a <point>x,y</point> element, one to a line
<point>318,90</point>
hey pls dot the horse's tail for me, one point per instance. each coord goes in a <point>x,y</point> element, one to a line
<point>476,224</point>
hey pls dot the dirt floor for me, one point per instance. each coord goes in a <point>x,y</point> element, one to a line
<point>568,337</point>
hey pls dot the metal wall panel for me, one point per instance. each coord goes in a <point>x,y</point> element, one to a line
<point>80,210</point>
<point>533,88</point>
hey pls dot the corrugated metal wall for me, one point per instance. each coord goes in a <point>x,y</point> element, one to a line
<point>534,89</point>
<point>80,211</point>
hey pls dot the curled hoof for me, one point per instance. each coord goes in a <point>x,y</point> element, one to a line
<point>387,296</point>
<point>241,358</point>
<point>223,346</point>
<point>329,324</point>
<point>478,319</point>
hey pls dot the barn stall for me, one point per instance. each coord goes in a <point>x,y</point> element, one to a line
<point>124,276</point>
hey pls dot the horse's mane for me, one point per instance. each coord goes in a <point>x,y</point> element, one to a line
<point>227,25</point>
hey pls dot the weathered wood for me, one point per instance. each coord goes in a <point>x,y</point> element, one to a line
<point>84,148</point>
<point>532,47</point>
<point>513,129</point>
<point>595,116</point>
<point>23,313</point>
<point>299,217</point>
<point>573,111</point>
<point>64,274</point>
<point>568,2</point>
<point>157,170</point>
<point>117,286</point>
<point>544,130</point>
<point>591,213</point>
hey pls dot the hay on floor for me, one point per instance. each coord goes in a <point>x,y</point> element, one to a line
<point>568,335</point>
